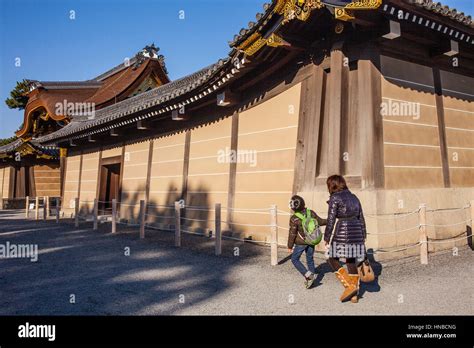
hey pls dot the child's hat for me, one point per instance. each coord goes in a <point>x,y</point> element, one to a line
<point>297,203</point>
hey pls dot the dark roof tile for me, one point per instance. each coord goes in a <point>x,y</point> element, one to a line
<point>444,10</point>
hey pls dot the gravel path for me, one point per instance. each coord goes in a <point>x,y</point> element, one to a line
<point>157,279</point>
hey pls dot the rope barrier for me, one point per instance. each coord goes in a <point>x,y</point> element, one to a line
<point>249,225</point>
<point>448,225</point>
<point>265,211</point>
<point>160,216</point>
<point>392,216</point>
<point>128,205</point>
<point>199,209</point>
<point>251,212</point>
<point>204,235</point>
<point>394,251</point>
<point>249,209</point>
<point>394,232</point>
<point>445,240</point>
<point>246,240</point>
<point>447,210</point>
<point>158,229</point>
<point>282,212</point>
<point>200,220</point>
<point>127,224</point>
<point>160,206</point>
<point>195,233</point>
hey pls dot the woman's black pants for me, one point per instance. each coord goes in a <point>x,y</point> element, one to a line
<point>350,262</point>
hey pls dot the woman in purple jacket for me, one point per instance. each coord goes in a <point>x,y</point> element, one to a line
<point>348,239</point>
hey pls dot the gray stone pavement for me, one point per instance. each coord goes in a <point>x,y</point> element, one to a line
<point>159,279</point>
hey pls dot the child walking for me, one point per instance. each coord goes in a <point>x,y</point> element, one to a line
<point>303,222</point>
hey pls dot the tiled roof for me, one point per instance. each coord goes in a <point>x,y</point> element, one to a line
<point>445,11</point>
<point>172,90</point>
<point>115,69</point>
<point>261,18</point>
<point>142,101</point>
<point>14,145</point>
<point>11,146</point>
<point>67,84</point>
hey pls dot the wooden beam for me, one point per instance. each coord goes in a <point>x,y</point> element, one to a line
<point>227,98</point>
<point>122,168</point>
<point>99,167</point>
<point>441,126</point>
<point>148,173</point>
<point>21,182</point>
<point>337,88</point>
<point>309,122</point>
<point>62,172</point>
<point>12,182</point>
<point>143,124</point>
<point>179,115</point>
<point>313,132</point>
<point>295,42</point>
<point>448,48</point>
<point>453,49</point>
<point>81,160</point>
<point>91,139</point>
<point>232,168</point>
<point>114,132</point>
<point>393,30</point>
<point>187,148</point>
<point>371,127</point>
<point>32,181</point>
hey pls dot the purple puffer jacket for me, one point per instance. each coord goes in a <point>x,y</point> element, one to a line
<point>350,228</point>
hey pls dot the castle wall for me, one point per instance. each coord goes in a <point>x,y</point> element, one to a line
<point>47,181</point>
<point>5,182</point>
<point>134,177</point>
<point>294,140</point>
<point>88,180</point>
<point>71,184</point>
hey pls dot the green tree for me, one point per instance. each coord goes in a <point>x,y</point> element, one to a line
<point>18,96</point>
<point>7,141</point>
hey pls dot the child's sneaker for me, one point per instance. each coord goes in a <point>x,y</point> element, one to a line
<point>309,281</point>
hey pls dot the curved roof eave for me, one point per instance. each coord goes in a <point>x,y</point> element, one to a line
<point>178,88</point>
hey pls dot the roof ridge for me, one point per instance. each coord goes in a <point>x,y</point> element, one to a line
<point>444,10</point>
<point>144,100</point>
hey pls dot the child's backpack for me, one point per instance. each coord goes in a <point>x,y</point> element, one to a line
<point>312,232</point>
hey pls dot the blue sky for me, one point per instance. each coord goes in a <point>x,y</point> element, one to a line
<point>51,46</point>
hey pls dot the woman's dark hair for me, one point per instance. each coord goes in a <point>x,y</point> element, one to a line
<point>336,183</point>
<point>297,203</point>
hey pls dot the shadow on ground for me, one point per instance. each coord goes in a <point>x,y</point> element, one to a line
<point>110,274</point>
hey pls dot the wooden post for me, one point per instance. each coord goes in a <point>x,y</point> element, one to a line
<point>27,207</point>
<point>274,235</point>
<point>57,210</point>
<point>471,226</point>
<point>142,219</point>
<point>371,122</point>
<point>96,213</point>
<point>218,231</point>
<point>177,228</point>
<point>76,212</point>
<point>45,214</point>
<point>114,215</point>
<point>423,235</point>
<point>36,208</point>
<point>47,206</point>
<point>337,103</point>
